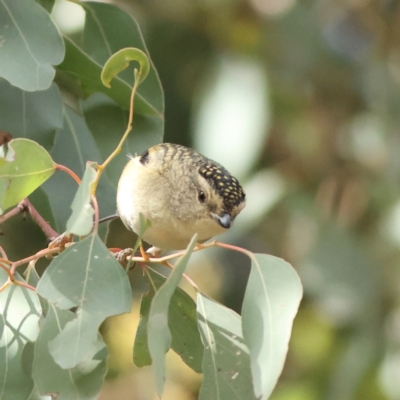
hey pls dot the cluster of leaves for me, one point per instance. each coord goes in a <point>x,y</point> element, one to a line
<point>49,325</point>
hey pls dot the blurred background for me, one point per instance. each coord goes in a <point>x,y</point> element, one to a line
<point>301,101</point>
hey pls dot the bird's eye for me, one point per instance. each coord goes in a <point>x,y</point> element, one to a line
<point>201,196</point>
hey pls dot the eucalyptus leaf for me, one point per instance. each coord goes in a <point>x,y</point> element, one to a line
<point>182,322</point>
<point>120,61</point>
<point>159,334</point>
<point>141,354</point>
<point>101,40</point>
<point>73,147</point>
<point>272,297</point>
<point>88,277</point>
<point>81,221</point>
<point>47,4</point>
<point>87,72</point>
<point>31,115</point>
<point>20,311</point>
<point>226,363</point>
<point>82,382</point>
<point>30,45</point>
<point>30,166</point>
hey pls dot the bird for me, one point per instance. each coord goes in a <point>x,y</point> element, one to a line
<point>181,193</point>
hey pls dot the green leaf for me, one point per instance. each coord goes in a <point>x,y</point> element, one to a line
<point>120,61</point>
<point>30,166</point>
<point>182,322</point>
<point>30,45</point>
<point>81,221</point>
<point>159,334</point>
<point>86,276</point>
<point>73,147</point>
<point>101,40</point>
<point>88,72</point>
<point>271,301</point>
<point>82,382</point>
<point>47,4</point>
<point>32,277</point>
<point>19,323</point>
<point>104,116</point>
<point>141,354</point>
<point>32,115</point>
<point>226,363</point>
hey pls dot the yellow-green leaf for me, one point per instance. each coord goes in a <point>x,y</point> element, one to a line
<point>24,167</point>
<point>120,61</point>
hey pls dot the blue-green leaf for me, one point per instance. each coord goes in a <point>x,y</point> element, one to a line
<point>88,277</point>
<point>81,221</point>
<point>30,45</point>
<point>226,362</point>
<point>159,334</point>
<point>182,322</point>
<point>82,382</point>
<point>271,301</point>
<point>20,311</point>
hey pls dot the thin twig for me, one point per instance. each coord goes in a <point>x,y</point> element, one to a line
<point>128,128</point>
<point>15,211</point>
<point>164,260</point>
<point>8,271</point>
<point>7,283</point>
<point>190,280</point>
<point>235,248</point>
<point>26,205</point>
<point>24,284</point>
<point>5,261</point>
<point>39,254</point>
<point>96,214</point>
<point>61,167</point>
<point>175,255</point>
<point>3,253</point>
<point>29,268</point>
<point>40,221</point>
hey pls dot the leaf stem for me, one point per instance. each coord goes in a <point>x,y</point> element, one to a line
<point>190,280</point>
<point>24,284</point>
<point>118,149</point>
<point>69,172</point>
<point>235,248</point>
<point>3,253</point>
<point>96,214</point>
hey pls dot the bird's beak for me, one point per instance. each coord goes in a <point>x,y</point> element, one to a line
<point>225,220</point>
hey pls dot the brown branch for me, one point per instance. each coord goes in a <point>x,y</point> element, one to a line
<point>39,254</point>
<point>26,205</point>
<point>40,221</point>
<point>16,210</point>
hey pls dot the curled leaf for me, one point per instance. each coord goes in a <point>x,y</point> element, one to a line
<point>120,61</point>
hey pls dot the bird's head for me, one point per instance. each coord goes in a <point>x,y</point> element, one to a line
<point>220,193</point>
